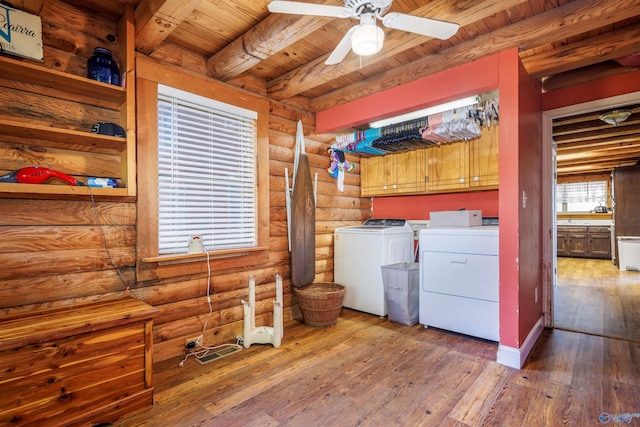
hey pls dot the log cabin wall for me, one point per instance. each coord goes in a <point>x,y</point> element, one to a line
<point>52,252</point>
<point>57,252</point>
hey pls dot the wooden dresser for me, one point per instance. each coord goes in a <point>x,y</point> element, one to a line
<point>88,363</point>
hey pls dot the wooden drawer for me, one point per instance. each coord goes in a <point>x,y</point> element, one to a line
<point>572,229</point>
<point>86,364</point>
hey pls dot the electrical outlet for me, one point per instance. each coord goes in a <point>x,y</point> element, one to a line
<point>190,340</point>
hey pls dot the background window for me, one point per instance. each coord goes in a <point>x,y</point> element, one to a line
<point>580,196</point>
<point>206,173</point>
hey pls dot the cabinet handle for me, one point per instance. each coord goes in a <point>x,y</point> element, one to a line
<point>453,261</point>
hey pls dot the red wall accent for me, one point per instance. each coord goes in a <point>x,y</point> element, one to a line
<point>509,149</point>
<point>418,207</point>
<point>530,210</point>
<point>598,89</point>
<point>469,79</point>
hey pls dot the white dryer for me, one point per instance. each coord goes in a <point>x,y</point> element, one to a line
<point>459,286</point>
<point>359,254</point>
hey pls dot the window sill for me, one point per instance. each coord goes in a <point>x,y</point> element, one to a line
<point>210,255</point>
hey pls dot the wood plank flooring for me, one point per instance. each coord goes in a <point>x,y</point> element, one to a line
<point>593,296</point>
<point>367,371</point>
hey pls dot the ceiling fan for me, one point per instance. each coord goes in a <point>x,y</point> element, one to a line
<point>366,38</point>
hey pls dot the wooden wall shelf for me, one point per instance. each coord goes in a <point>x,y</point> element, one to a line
<point>76,102</point>
<point>64,138</point>
<point>28,73</point>
<point>66,192</point>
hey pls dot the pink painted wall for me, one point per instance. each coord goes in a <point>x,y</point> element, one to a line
<point>590,91</point>
<point>469,79</point>
<point>418,207</point>
<point>530,209</point>
<point>520,137</point>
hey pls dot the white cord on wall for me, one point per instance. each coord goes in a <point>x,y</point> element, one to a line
<point>200,350</point>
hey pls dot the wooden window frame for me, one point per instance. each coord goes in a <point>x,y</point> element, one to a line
<point>150,74</point>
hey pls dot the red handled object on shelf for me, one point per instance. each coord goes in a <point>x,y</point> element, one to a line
<point>37,175</point>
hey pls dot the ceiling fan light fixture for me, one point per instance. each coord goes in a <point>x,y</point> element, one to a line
<point>367,39</point>
<point>615,117</point>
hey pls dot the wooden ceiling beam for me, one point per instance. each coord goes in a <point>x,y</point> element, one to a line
<point>570,19</point>
<point>580,119</point>
<point>615,144</point>
<point>156,20</point>
<point>584,169</point>
<point>316,73</point>
<point>586,52</point>
<point>577,129</point>
<point>612,132</point>
<point>604,142</point>
<point>599,155</point>
<point>271,35</point>
<point>599,71</point>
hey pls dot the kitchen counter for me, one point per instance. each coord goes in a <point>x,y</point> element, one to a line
<point>587,222</point>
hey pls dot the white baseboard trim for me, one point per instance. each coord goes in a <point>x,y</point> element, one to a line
<point>515,357</point>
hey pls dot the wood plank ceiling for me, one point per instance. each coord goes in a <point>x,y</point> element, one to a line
<point>561,42</point>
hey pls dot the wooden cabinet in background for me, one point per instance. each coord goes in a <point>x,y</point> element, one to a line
<point>393,174</point>
<point>452,167</point>
<point>375,175</point>
<point>572,241</point>
<point>448,167</point>
<point>584,242</point>
<point>599,242</point>
<point>411,173</point>
<point>483,160</point>
<point>561,246</point>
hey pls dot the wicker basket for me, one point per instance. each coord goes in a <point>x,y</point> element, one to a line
<point>320,303</point>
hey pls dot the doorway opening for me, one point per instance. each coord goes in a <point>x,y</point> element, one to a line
<point>580,294</point>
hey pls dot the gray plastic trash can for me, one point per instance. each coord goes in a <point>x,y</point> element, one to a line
<point>401,292</point>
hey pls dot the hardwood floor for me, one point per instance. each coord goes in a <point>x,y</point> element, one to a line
<point>367,371</point>
<point>593,296</point>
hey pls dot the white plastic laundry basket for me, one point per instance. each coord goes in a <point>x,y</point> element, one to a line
<point>629,253</point>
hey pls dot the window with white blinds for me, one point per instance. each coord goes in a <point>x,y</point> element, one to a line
<point>580,196</point>
<point>206,173</point>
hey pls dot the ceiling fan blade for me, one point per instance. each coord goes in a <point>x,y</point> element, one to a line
<point>300,8</point>
<point>343,48</point>
<point>416,24</point>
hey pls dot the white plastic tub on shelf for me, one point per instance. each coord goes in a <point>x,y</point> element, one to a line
<point>629,253</point>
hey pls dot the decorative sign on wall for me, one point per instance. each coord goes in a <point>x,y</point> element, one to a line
<point>20,33</point>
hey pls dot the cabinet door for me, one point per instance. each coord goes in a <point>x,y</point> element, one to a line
<point>578,242</point>
<point>375,176</point>
<point>561,248</point>
<point>483,159</point>
<point>599,242</point>
<point>410,172</point>
<point>448,167</point>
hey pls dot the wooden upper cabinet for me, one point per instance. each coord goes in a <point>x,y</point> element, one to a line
<point>483,159</point>
<point>410,169</point>
<point>448,167</point>
<point>452,167</point>
<point>375,175</point>
<point>47,120</point>
<point>393,174</point>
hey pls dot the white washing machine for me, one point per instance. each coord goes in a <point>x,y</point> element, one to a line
<point>359,254</point>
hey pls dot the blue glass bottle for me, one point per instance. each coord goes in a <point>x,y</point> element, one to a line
<point>115,73</point>
<point>99,66</point>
